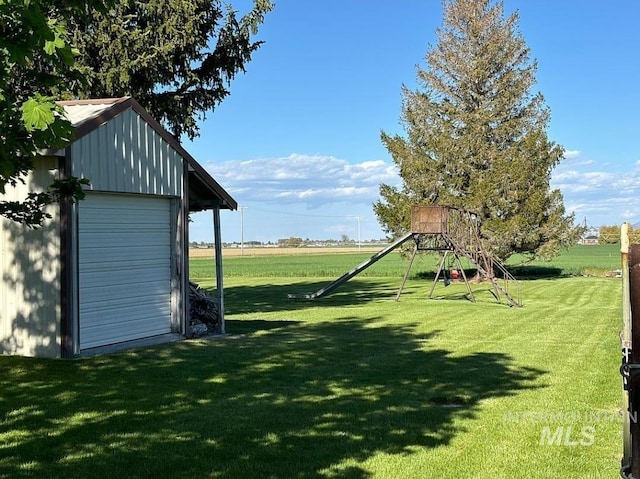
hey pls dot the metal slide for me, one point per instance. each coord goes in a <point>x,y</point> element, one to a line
<point>350,274</point>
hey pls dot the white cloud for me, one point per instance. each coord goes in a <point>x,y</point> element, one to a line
<point>566,175</point>
<point>601,194</point>
<point>597,177</point>
<point>575,159</point>
<point>315,180</point>
<point>572,181</point>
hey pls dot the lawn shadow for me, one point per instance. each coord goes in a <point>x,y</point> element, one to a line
<point>270,297</point>
<point>296,399</point>
<point>520,272</point>
<point>529,272</point>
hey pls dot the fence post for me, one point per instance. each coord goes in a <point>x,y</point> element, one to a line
<point>625,339</point>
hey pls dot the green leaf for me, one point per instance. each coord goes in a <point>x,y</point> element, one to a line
<point>67,56</point>
<point>19,53</point>
<point>58,43</point>
<point>50,46</point>
<point>37,113</point>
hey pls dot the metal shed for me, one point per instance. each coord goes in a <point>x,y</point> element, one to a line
<point>112,268</point>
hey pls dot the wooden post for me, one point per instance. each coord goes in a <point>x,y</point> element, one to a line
<point>435,280</point>
<point>218,260</point>
<point>406,274</point>
<point>625,339</point>
<point>466,281</point>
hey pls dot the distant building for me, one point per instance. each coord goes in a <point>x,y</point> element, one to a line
<point>589,240</point>
<point>590,237</point>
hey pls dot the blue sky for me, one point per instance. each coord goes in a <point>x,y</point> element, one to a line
<point>297,143</point>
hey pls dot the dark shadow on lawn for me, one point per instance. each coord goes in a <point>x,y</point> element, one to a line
<point>526,272</point>
<point>273,297</point>
<point>296,400</point>
<point>264,298</point>
<point>520,272</point>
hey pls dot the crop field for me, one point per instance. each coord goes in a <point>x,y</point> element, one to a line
<point>353,385</point>
<point>278,251</point>
<point>581,260</point>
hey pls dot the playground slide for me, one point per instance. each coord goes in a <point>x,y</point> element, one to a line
<point>350,274</point>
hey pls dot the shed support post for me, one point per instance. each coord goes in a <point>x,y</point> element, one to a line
<point>218,259</point>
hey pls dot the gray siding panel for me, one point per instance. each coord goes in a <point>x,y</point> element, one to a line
<point>30,275</point>
<point>126,155</point>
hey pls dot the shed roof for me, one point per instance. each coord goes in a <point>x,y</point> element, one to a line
<point>87,115</point>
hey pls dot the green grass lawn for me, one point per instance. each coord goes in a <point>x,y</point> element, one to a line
<point>354,385</point>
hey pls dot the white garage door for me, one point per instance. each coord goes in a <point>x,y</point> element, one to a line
<point>124,268</point>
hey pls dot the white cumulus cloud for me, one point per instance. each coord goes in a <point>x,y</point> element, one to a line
<point>315,180</point>
<point>602,192</point>
<point>571,154</point>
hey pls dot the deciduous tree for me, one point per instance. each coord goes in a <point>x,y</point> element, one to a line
<point>611,234</point>
<point>476,136</point>
<point>36,65</point>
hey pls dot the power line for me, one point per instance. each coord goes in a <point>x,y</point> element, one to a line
<point>307,215</point>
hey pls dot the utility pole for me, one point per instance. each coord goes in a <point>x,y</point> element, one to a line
<point>358,218</point>
<point>242,208</point>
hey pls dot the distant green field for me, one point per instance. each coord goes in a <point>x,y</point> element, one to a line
<point>598,260</point>
<point>580,260</point>
<point>317,265</point>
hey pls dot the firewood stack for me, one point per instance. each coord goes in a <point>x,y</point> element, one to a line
<point>203,311</point>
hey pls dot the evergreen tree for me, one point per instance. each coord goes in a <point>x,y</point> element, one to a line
<point>176,58</point>
<point>476,137</point>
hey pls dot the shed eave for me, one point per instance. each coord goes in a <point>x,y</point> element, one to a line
<point>205,193</point>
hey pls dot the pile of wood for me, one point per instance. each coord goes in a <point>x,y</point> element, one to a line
<point>204,313</point>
